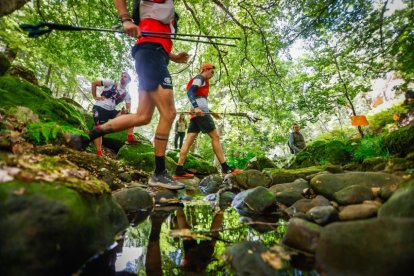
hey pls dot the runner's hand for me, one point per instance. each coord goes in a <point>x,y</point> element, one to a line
<point>180,57</point>
<point>198,111</point>
<point>131,29</point>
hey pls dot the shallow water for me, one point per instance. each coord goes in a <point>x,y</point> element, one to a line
<point>161,245</point>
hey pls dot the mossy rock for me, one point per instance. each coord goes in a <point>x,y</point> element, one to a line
<point>4,64</point>
<point>374,164</point>
<point>290,175</point>
<point>19,92</point>
<point>194,163</point>
<point>141,156</point>
<point>260,163</point>
<point>323,152</point>
<point>54,229</point>
<point>22,72</point>
<point>401,141</point>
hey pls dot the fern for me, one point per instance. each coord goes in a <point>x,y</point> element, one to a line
<point>42,132</point>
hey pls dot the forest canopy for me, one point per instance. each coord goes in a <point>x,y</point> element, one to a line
<point>344,46</point>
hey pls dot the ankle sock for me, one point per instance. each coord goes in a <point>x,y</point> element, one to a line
<point>99,152</point>
<point>225,167</point>
<point>159,164</point>
<point>179,170</point>
<point>97,132</point>
<point>130,137</point>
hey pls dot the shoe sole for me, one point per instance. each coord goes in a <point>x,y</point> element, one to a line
<point>177,177</point>
<point>167,186</point>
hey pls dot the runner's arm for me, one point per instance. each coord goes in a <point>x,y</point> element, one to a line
<point>180,57</point>
<point>94,85</point>
<point>129,27</point>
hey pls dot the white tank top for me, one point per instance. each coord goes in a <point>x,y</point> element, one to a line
<point>163,12</point>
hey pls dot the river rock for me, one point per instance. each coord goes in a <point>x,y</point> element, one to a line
<point>383,246</point>
<point>328,184</point>
<point>304,205</point>
<point>210,184</point>
<point>353,194</point>
<point>254,201</point>
<point>322,214</point>
<point>302,235</point>
<point>134,199</point>
<point>251,179</point>
<point>358,211</point>
<point>289,193</point>
<point>401,203</point>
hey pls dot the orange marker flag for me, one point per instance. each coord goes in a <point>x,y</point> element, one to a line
<point>395,117</point>
<point>359,120</point>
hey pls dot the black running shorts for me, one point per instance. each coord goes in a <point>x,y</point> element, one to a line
<point>151,63</point>
<point>102,115</point>
<point>205,124</point>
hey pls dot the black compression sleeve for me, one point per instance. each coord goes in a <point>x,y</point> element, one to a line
<point>190,94</point>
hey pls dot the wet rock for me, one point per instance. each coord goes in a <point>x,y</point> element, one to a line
<point>304,205</point>
<point>358,211</point>
<point>353,194</point>
<point>285,176</point>
<point>164,196</point>
<point>382,246</point>
<point>53,229</point>
<point>302,235</point>
<point>328,184</point>
<point>245,259</point>
<point>374,164</point>
<point>401,203</point>
<point>190,184</point>
<point>322,215</point>
<point>333,168</point>
<point>134,199</point>
<point>254,201</point>
<point>251,179</point>
<point>125,177</point>
<point>289,193</point>
<point>260,163</point>
<point>210,184</point>
<point>226,198</point>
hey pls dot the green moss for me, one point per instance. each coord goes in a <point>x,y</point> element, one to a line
<point>290,175</point>
<point>142,157</point>
<point>324,152</point>
<point>194,163</point>
<point>381,119</point>
<point>4,64</point>
<point>370,146</point>
<point>401,141</point>
<point>18,92</point>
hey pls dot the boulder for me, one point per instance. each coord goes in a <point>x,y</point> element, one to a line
<point>353,194</point>
<point>251,179</point>
<point>401,203</point>
<point>254,202</point>
<point>210,184</point>
<point>383,246</point>
<point>358,211</point>
<point>289,193</point>
<point>322,215</point>
<point>285,176</point>
<point>328,184</point>
<point>260,163</point>
<point>134,199</point>
<point>302,235</point>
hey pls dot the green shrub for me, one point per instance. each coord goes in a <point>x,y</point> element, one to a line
<point>42,133</point>
<point>370,146</point>
<point>401,141</point>
<point>381,119</point>
<point>239,161</point>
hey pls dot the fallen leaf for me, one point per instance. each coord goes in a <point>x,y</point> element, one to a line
<point>19,191</point>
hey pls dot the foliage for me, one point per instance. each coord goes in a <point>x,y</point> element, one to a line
<point>381,119</point>
<point>43,133</point>
<point>323,152</point>
<point>370,146</point>
<point>401,141</point>
<point>239,161</point>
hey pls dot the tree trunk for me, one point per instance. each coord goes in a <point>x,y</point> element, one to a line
<point>9,6</point>
<point>49,70</point>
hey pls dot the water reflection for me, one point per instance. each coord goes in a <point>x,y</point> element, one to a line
<point>184,240</point>
<point>154,251</point>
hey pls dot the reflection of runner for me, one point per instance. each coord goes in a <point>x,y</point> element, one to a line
<point>198,254</point>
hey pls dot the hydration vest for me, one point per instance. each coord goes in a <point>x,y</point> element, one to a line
<point>202,91</point>
<point>113,93</point>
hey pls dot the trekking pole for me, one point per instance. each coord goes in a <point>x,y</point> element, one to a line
<point>250,117</point>
<point>45,28</point>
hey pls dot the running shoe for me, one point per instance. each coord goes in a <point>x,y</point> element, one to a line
<point>164,180</point>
